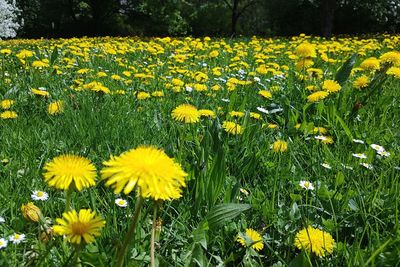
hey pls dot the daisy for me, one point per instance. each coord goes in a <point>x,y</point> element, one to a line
<point>39,195</point>
<point>16,238</point>
<point>3,243</point>
<point>359,155</point>
<point>383,153</point>
<point>358,141</point>
<point>366,165</point>
<point>306,185</point>
<point>2,220</point>
<point>326,166</point>
<point>320,137</point>
<point>263,110</point>
<point>121,202</point>
<point>377,147</point>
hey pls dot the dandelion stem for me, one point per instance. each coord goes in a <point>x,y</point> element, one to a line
<point>131,232</point>
<point>153,234</point>
<point>68,197</point>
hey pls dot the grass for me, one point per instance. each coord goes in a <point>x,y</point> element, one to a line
<point>234,182</point>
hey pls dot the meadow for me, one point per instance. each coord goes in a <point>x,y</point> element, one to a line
<point>200,151</point>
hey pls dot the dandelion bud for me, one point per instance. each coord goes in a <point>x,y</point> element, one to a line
<point>31,212</point>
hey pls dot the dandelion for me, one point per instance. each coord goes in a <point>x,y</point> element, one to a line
<point>266,94</point>
<point>55,107</point>
<point>39,195</point>
<point>8,115</point>
<point>6,103</point>
<point>394,71</point>
<point>331,86</point>
<point>279,146</point>
<point>238,114</point>
<point>121,202</point>
<point>3,243</point>
<point>306,185</point>
<point>251,238</point>
<point>80,227</point>
<point>207,113</point>
<point>16,238</point>
<point>314,240</point>
<point>232,128</point>
<point>40,92</point>
<point>68,170</point>
<point>392,58</point>
<point>142,95</point>
<point>361,82</point>
<point>31,212</point>
<point>147,168</point>
<point>305,50</point>
<point>186,113</point>
<point>359,155</point>
<point>370,64</point>
<point>317,96</point>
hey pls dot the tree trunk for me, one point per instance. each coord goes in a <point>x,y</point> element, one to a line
<point>328,15</point>
<point>235,17</point>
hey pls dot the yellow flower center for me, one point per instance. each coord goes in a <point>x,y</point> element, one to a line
<point>80,228</point>
<point>307,184</point>
<point>40,194</point>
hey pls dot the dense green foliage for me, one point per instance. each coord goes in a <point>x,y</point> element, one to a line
<point>52,18</point>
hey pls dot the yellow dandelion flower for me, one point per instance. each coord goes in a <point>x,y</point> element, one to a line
<point>151,170</point>
<point>314,240</point>
<point>142,95</point>
<point>331,86</point>
<point>392,57</point>
<point>70,170</point>
<point>370,64</point>
<point>39,92</point>
<point>80,227</point>
<point>186,113</point>
<point>265,93</point>
<point>8,115</point>
<point>232,128</point>
<point>255,115</point>
<point>238,114</point>
<point>55,107</point>
<point>361,82</point>
<point>394,71</point>
<point>251,238</point>
<point>6,103</point>
<point>305,50</point>
<point>320,130</point>
<point>304,63</point>
<point>279,146</point>
<point>317,96</point>
<point>207,113</point>
<point>31,212</point>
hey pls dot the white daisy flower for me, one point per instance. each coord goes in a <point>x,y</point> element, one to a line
<point>306,185</point>
<point>377,147</point>
<point>244,191</point>
<point>39,195</point>
<point>263,110</point>
<point>3,243</point>
<point>188,89</point>
<point>347,167</point>
<point>326,166</point>
<point>366,165</point>
<point>256,79</point>
<point>2,220</point>
<point>320,137</point>
<point>383,153</point>
<point>225,100</point>
<point>358,141</point>
<point>121,202</point>
<point>17,238</point>
<point>359,155</point>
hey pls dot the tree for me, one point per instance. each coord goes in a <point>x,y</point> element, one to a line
<point>8,19</point>
<point>237,7</point>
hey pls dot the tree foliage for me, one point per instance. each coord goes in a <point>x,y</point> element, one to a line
<point>8,19</point>
<point>51,18</point>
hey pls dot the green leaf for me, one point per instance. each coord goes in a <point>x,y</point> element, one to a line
<point>301,260</point>
<point>339,179</point>
<point>344,72</point>
<point>224,212</point>
<point>345,127</point>
<point>54,55</point>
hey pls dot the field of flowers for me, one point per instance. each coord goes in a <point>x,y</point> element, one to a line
<point>200,152</point>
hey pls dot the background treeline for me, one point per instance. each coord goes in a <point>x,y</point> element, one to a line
<point>66,18</point>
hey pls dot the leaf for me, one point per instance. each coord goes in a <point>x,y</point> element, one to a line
<point>54,55</point>
<point>224,212</point>
<point>344,72</point>
<point>339,179</point>
<point>300,261</point>
<point>345,127</point>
